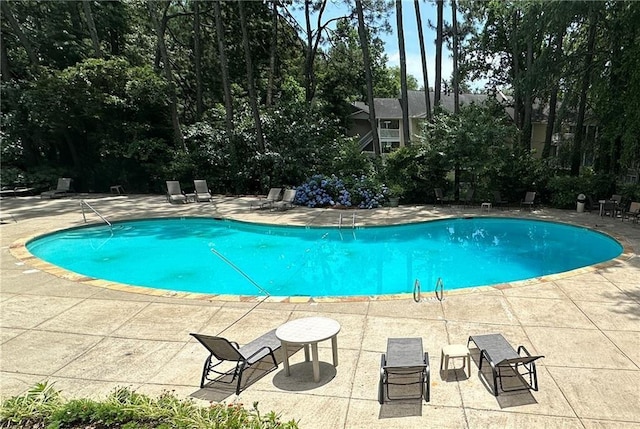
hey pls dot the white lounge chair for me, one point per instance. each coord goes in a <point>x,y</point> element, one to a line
<point>174,193</point>
<point>203,193</point>
<point>62,190</point>
<point>287,200</point>
<point>273,196</point>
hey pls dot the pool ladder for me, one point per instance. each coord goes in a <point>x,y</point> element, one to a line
<point>439,290</point>
<point>353,221</point>
<point>83,203</point>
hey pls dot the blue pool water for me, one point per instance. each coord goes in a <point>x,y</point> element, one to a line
<point>176,254</point>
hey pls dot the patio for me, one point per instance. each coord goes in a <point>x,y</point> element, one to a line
<point>89,336</point>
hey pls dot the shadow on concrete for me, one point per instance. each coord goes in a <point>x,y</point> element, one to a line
<point>301,377</point>
<point>224,386</point>
<point>400,408</point>
<point>454,375</point>
<point>402,400</point>
<point>506,399</point>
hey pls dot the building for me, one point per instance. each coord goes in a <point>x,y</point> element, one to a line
<point>389,118</point>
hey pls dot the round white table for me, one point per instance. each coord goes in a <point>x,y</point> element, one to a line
<point>306,332</point>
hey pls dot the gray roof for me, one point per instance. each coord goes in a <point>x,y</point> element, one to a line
<point>389,108</point>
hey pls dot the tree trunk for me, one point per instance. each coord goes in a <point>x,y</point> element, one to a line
<point>525,138</point>
<point>576,152</point>
<point>423,58</point>
<point>404,96</point>
<point>77,164</point>
<point>160,26</point>
<point>456,89</point>
<point>15,27</point>
<point>253,100</point>
<point>516,69</point>
<point>88,16</point>
<point>455,78</point>
<point>5,69</point>
<point>197,58</point>
<point>438,80</point>
<point>364,42</point>
<point>553,99</point>
<point>114,34</point>
<point>272,53</point>
<point>224,67</point>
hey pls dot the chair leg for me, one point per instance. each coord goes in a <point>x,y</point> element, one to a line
<point>382,380</point>
<point>205,371</point>
<point>239,370</point>
<point>427,387</point>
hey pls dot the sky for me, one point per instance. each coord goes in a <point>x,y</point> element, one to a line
<point>412,45</point>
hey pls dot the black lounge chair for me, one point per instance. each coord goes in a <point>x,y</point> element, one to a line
<point>498,201</point>
<point>468,198</point>
<point>245,356</point>
<point>440,198</point>
<point>506,362</point>
<point>402,362</point>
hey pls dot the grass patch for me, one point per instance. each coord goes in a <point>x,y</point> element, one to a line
<point>44,407</point>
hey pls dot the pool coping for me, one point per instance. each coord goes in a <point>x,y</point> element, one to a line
<point>19,250</point>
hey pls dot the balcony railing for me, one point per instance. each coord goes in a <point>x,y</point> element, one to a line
<point>387,133</point>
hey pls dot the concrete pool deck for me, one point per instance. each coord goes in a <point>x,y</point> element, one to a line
<point>88,338</point>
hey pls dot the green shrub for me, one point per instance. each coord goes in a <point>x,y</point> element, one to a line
<point>565,189</point>
<point>43,406</point>
<point>418,170</point>
<point>601,185</point>
<point>630,191</point>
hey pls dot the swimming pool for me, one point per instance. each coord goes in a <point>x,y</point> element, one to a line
<point>230,257</point>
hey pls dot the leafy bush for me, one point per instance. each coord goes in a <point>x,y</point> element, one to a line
<point>630,192</point>
<point>565,189</point>
<point>513,174</point>
<point>417,170</point>
<point>602,185</point>
<point>43,406</point>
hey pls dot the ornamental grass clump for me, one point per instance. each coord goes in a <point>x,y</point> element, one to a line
<point>43,407</point>
<point>330,191</point>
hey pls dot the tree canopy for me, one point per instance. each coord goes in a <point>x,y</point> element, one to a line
<point>141,91</point>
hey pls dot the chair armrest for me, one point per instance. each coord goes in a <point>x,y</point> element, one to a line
<point>523,349</point>
<point>485,355</point>
<point>259,352</point>
<point>236,345</point>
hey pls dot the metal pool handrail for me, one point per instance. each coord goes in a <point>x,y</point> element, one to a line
<point>439,285</point>
<point>242,273</point>
<point>84,203</point>
<point>439,294</point>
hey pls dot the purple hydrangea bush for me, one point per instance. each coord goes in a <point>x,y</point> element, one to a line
<point>330,191</point>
